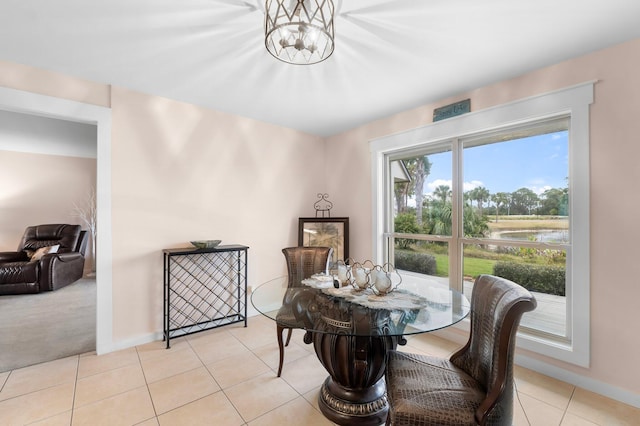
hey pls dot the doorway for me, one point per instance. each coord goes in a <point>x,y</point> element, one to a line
<point>47,106</point>
<point>48,171</point>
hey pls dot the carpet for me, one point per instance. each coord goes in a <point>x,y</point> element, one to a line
<point>41,327</point>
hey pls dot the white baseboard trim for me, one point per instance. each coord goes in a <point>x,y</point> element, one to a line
<point>148,338</point>
<point>139,340</point>
<point>575,379</point>
<point>587,383</point>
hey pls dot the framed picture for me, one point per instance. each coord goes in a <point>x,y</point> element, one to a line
<point>325,232</point>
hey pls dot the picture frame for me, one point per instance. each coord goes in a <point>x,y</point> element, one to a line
<point>325,232</point>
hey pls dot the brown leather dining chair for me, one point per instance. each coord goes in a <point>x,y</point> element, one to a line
<point>475,385</point>
<point>302,262</point>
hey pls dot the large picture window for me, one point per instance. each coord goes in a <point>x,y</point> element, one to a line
<point>501,192</point>
<point>511,202</point>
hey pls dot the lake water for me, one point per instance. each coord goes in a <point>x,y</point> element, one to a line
<point>543,236</point>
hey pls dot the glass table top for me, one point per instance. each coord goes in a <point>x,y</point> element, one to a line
<point>316,305</point>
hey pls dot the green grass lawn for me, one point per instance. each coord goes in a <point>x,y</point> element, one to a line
<point>478,261</point>
<point>442,265</point>
<point>473,266</point>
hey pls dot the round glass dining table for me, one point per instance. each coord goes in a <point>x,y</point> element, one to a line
<point>352,330</point>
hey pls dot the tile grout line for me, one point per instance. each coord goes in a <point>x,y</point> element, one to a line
<point>49,387</point>
<point>35,390</point>
<point>566,409</point>
<point>515,386</point>
<point>6,380</point>
<point>75,389</point>
<point>300,395</point>
<point>155,412</point>
<point>214,379</point>
<point>270,370</point>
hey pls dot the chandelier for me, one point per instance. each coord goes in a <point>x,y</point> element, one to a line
<point>299,31</point>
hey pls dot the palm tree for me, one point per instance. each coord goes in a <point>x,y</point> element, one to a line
<point>501,199</point>
<point>441,219</point>
<point>443,192</point>
<point>482,194</point>
<point>423,168</point>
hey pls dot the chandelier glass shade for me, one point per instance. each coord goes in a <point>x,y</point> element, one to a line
<point>299,31</point>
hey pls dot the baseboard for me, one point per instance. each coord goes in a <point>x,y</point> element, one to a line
<point>559,373</point>
<point>583,382</point>
<point>147,338</point>
<point>136,341</point>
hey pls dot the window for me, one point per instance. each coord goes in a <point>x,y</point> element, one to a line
<point>502,191</point>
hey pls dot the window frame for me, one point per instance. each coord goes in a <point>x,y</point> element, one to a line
<point>573,101</point>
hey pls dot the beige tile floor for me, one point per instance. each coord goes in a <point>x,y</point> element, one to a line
<point>226,377</point>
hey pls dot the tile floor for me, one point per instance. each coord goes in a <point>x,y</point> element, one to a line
<point>226,377</point>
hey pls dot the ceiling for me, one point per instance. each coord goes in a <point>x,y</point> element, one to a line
<point>390,55</point>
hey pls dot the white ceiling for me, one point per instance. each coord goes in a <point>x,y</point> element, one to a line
<point>390,55</point>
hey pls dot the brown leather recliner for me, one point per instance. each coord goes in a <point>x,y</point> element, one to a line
<point>32,268</point>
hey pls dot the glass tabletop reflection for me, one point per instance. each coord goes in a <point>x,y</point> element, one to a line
<point>316,305</point>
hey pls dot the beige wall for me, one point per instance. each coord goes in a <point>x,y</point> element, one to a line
<point>184,173</point>
<point>614,186</point>
<point>181,172</point>
<point>22,77</point>
<point>37,189</point>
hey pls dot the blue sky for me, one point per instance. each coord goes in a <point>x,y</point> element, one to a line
<point>538,163</point>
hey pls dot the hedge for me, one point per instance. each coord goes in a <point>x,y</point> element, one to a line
<point>539,278</point>
<point>415,262</point>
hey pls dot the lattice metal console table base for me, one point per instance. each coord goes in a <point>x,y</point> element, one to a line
<point>204,289</point>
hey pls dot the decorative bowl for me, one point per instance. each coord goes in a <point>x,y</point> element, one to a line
<point>205,243</point>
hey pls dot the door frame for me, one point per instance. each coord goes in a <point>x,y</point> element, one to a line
<point>47,106</point>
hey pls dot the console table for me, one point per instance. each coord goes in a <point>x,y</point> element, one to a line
<point>204,289</point>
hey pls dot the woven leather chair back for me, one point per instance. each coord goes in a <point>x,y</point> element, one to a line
<point>302,262</point>
<point>497,305</point>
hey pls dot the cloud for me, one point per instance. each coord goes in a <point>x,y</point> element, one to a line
<point>540,189</point>
<point>467,186</point>
<point>431,186</point>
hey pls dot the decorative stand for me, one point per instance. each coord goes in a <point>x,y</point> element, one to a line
<point>204,289</point>
<point>351,344</point>
<point>355,392</point>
